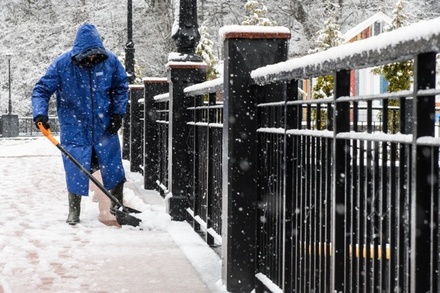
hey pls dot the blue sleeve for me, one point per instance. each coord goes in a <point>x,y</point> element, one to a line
<point>44,89</point>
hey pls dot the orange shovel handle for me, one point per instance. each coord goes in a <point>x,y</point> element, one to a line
<point>46,133</point>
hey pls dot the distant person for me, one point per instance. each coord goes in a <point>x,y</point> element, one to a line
<point>91,97</point>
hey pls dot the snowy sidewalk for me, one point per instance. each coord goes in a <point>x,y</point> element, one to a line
<point>39,252</point>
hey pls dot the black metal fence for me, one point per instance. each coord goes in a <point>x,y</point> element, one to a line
<point>162,120</point>
<point>304,195</point>
<point>205,141</point>
<point>26,126</point>
<point>360,206</point>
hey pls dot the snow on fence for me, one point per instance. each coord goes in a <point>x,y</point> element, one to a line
<point>307,197</point>
<point>356,187</point>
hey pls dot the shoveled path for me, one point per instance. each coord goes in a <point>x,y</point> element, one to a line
<point>39,252</point>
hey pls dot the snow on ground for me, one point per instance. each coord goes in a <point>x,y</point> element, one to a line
<point>39,252</point>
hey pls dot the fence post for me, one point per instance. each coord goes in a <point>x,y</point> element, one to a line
<point>126,133</point>
<point>341,122</point>
<point>136,134</point>
<point>152,87</point>
<point>180,75</point>
<point>424,199</point>
<point>10,125</point>
<point>244,51</point>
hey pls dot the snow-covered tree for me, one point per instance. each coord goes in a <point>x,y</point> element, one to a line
<point>398,74</point>
<point>205,49</point>
<point>330,36</point>
<point>257,12</point>
<point>38,31</point>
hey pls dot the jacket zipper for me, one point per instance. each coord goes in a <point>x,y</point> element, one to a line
<point>92,107</point>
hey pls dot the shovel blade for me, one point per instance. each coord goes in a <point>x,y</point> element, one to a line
<point>124,218</point>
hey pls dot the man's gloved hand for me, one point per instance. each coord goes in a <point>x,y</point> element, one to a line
<point>43,119</point>
<point>115,123</point>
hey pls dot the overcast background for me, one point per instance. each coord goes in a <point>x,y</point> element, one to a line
<point>36,31</point>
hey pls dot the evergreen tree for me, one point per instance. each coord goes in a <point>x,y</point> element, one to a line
<point>330,36</point>
<point>256,14</point>
<point>398,74</point>
<point>206,52</point>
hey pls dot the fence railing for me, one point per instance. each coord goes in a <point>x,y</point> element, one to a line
<point>26,126</point>
<point>307,196</point>
<point>162,120</point>
<point>360,207</point>
<point>206,132</point>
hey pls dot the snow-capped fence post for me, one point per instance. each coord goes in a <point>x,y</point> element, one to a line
<point>245,49</point>
<point>181,74</point>
<point>152,87</point>
<point>136,133</point>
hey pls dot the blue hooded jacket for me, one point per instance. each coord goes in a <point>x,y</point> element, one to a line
<point>86,96</point>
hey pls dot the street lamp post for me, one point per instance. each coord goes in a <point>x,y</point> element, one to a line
<point>184,69</point>
<point>10,127</point>
<point>129,68</point>
<point>186,36</point>
<point>9,56</point>
<point>129,46</point>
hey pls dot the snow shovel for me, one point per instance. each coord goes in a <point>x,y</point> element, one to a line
<point>122,212</point>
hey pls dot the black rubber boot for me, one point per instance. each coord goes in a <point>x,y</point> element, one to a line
<point>117,192</point>
<point>74,209</point>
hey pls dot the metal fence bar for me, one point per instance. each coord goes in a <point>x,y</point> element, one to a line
<point>213,170</point>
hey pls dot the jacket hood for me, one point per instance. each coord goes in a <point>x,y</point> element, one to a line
<point>88,42</point>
